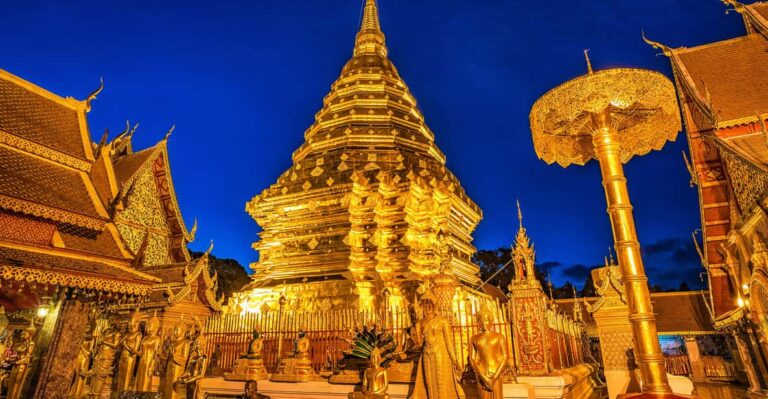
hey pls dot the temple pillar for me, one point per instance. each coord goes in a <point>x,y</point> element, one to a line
<point>531,332</point>
<point>694,357</point>
<point>611,316</point>
<point>67,331</point>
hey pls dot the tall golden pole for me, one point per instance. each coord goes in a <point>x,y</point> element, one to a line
<point>648,353</point>
<point>613,115</point>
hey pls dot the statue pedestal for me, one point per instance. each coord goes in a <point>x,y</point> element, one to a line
<point>294,370</point>
<point>401,372</point>
<point>248,370</point>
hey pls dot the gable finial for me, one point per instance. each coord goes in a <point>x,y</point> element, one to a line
<point>589,64</point>
<point>168,134</point>
<point>93,95</point>
<point>664,49</point>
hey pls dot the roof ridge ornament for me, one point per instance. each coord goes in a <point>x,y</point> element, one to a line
<point>666,50</point>
<point>168,133</point>
<point>589,64</point>
<point>93,95</point>
<point>737,6</point>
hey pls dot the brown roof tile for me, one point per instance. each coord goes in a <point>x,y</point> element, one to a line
<point>760,8</point>
<point>98,243</point>
<point>31,179</point>
<point>39,119</point>
<point>126,166</point>
<point>101,181</point>
<point>675,312</point>
<point>733,71</point>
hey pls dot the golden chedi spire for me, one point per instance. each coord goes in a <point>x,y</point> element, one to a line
<point>368,191</point>
<point>370,38</point>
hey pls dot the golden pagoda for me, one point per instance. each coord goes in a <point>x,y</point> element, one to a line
<point>360,209</point>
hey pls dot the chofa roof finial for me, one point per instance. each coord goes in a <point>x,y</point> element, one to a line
<point>93,95</point>
<point>664,49</point>
<point>589,64</point>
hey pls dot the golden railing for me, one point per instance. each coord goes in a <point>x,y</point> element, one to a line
<point>329,332</point>
<point>718,367</point>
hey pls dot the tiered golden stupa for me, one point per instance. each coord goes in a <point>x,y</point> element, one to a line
<point>361,207</point>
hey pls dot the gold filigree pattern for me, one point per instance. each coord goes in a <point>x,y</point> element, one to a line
<point>561,124</point>
<point>748,179</point>
<point>43,151</point>
<point>35,209</point>
<point>143,205</point>
<point>144,209</point>
<point>51,277</point>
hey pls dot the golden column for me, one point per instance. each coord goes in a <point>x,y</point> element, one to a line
<point>612,115</point>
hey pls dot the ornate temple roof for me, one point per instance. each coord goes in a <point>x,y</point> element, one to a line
<point>41,117</point>
<point>726,75</point>
<point>182,281</point>
<point>62,198</point>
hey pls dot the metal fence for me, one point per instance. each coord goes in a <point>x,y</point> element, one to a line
<point>330,333</point>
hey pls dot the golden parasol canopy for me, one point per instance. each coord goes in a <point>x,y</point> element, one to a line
<point>641,105</point>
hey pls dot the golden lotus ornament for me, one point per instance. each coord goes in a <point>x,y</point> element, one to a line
<point>611,116</point>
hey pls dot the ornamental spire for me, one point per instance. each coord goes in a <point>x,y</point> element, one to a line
<point>370,38</point>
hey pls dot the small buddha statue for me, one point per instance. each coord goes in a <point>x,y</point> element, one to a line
<point>298,366</point>
<point>197,363</point>
<point>250,365</point>
<point>177,361</point>
<point>301,346</point>
<point>489,358</point>
<point>130,351</point>
<point>255,347</point>
<point>149,348</point>
<point>82,362</point>
<point>375,382</point>
<point>103,369</point>
<point>24,349</point>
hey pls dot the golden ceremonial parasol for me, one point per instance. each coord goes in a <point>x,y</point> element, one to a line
<point>612,115</point>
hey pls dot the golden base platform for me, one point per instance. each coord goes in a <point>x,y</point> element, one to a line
<point>248,370</point>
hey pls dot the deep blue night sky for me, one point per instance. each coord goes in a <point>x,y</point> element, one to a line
<point>242,81</point>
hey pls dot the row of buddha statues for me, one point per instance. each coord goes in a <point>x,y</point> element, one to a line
<point>428,343</point>
<point>123,363</point>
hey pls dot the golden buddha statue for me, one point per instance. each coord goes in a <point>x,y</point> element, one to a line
<point>196,366</point>
<point>148,352</point>
<point>298,366</point>
<point>82,362</point>
<point>103,369</point>
<point>177,361</point>
<point>250,365</point>
<point>488,357</point>
<point>438,365</point>
<point>24,349</point>
<point>375,382</point>
<point>131,345</point>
